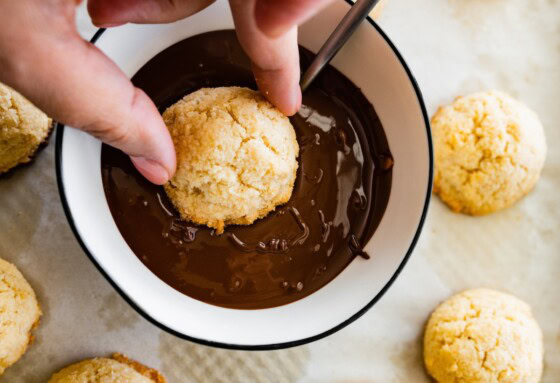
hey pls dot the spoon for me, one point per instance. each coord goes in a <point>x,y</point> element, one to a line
<point>350,22</point>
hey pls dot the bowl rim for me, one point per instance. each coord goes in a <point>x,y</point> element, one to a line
<point>276,346</point>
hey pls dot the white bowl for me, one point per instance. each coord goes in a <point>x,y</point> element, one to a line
<point>372,62</point>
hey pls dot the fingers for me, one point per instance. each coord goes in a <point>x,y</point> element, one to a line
<point>106,105</point>
<point>109,13</point>
<point>76,84</point>
<point>275,17</point>
<point>275,60</point>
<point>280,87</point>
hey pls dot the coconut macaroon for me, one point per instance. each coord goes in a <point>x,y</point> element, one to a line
<point>482,335</point>
<point>23,128</point>
<point>19,314</point>
<point>236,157</point>
<point>117,369</point>
<point>489,152</point>
<point>377,10</point>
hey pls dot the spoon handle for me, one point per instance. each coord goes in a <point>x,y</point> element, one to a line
<point>337,39</point>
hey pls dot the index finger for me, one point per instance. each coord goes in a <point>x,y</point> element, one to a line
<point>276,17</point>
<point>275,60</point>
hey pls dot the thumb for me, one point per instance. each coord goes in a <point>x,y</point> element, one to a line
<point>86,90</point>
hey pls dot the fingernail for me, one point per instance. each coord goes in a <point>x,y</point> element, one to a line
<point>295,102</point>
<point>299,99</point>
<point>152,170</point>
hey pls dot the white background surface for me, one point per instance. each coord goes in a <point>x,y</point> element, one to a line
<point>453,47</point>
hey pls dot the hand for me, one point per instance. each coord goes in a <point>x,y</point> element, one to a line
<point>43,57</point>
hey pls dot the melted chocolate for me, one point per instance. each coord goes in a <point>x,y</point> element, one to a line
<point>340,195</point>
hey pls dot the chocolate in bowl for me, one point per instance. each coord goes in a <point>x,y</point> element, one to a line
<point>340,195</point>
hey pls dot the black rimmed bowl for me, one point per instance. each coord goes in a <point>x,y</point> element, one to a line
<point>372,62</point>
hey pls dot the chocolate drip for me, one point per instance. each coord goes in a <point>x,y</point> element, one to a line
<point>386,161</point>
<point>339,197</point>
<point>325,226</point>
<point>275,245</point>
<point>299,240</point>
<point>356,248</point>
<point>315,179</point>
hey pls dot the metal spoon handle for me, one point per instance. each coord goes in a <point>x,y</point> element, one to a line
<point>337,39</point>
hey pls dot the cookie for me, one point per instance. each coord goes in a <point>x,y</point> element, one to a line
<point>489,152</point>
<point>236,157</point>
<point>117,369</point>
<point>19,314</point>
<point>377,10</point>
<point>148,372</point>
<point>23,128</point>
<point>481,336</point>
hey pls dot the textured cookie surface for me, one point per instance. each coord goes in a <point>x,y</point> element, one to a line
<point>236,156</point>
<point>19,314</point>
<point>23,128</point>
<point>483,336</point>
<point>148,372</point>
<point>489,152</point>
<point>107,370</point>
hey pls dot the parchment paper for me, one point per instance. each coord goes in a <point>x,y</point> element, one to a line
<point>453,47</point>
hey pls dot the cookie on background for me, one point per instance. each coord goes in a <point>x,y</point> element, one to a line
<point>19,315</point>
<point>117,369</point>
<point>481,336</point>
<point>377,10</point>
<point>23,129</point>
<point>236,156</point>
<point>489,152</point>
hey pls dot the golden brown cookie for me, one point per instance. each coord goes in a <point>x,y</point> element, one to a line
<point>118,369</point>
<point>236,157</point>
<point>489,152</point>
<point>23,128</point>
<point>148,372</point>
<point>19,314</point>
<point>378,9</point>
<point>481,336</point>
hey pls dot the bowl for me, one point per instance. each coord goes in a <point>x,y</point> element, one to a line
<point>373,63</point>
